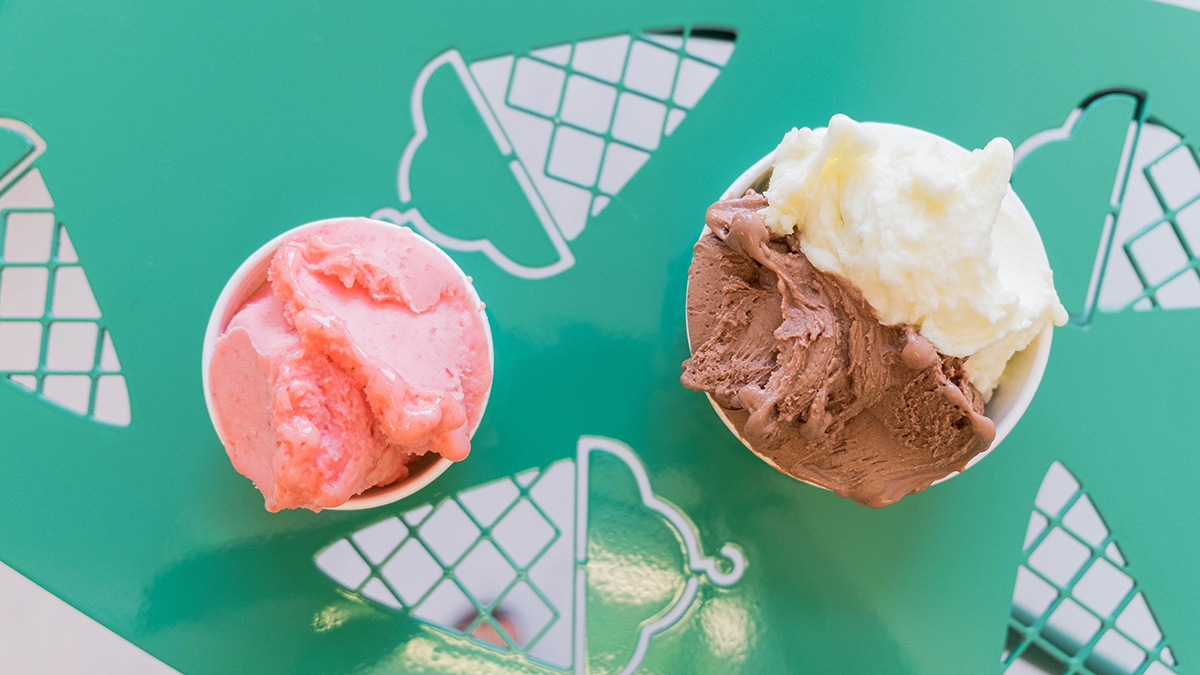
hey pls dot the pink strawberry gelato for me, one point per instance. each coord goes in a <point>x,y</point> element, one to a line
<point>366,349</point>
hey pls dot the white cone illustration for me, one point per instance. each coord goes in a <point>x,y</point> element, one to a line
<point>52,340</point>
<point>511,556</point>
<point>1074,600</point>
<point>576,120</point>
<point>1150,241</point>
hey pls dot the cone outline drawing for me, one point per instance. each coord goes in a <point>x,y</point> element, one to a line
<point>431,560</point>
<point>575,121</point>
<point>1075,603</point>
<point>1149,251</point>
<point>53,341</point>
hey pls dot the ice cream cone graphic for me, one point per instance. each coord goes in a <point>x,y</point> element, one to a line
<point>507,563</point>
<point>1149,214</point>
<point>52,340</point>
<point>574,122</point>
<point>1075,605</point>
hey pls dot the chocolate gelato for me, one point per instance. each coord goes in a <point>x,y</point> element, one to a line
<point>809,377</point>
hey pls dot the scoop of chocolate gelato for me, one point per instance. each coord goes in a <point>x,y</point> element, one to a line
<point>808,376</point>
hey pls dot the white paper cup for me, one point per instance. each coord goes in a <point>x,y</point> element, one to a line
<point>248,278</point>
<point>1022,374</point>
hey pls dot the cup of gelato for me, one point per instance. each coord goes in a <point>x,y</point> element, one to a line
<point>870,308</point>
<point>347,363</point>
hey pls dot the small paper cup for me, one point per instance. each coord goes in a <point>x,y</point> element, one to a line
<point>1022,374</point>
<point>248,278</point>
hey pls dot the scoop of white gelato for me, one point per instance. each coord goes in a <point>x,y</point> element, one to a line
<point>931,234</point>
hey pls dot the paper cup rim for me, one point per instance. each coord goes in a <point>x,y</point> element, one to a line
<point>249,277</point>
<point>1040,344</point>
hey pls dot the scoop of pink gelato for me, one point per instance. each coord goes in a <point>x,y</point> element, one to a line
<point>366,349</point>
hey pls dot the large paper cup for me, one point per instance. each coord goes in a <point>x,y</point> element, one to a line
<point>1022,374</point>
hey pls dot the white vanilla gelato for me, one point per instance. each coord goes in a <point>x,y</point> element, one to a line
<point>931,234</point>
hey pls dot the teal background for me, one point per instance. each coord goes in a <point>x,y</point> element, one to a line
<point>183,135</point>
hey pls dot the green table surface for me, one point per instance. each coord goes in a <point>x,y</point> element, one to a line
<point>182,135</point>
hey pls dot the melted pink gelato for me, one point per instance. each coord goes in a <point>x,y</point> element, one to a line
<point>365,350</point>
